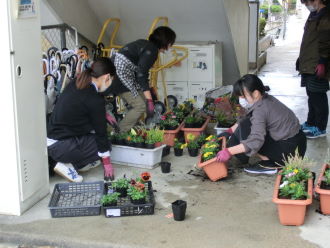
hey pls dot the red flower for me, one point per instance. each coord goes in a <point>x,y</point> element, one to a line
<point>145,176</point>
<point>217,100</point>
<point>133,182</point>
<point>163,117</point>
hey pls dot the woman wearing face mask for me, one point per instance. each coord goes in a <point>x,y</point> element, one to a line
<point>133,63</point>
<point>314,67</point>
<point>270,129</point>
<point>77,130</point>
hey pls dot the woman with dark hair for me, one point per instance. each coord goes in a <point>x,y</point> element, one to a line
<point>314,66</point>
<point>77,129</point>
<point>269,129</point>
<point>133,63</point>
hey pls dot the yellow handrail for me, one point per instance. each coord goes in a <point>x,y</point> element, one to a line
<point>106,50</point>
<point>155,22</point>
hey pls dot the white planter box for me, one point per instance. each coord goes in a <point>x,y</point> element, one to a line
<point>220,130</point>
<point>136,157</point>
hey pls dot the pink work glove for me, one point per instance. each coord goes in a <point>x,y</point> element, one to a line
<point>111,119</point>
<point>320,70</point>
<point>150,107</point>
<point>223,156</point>
<point>108,169</point>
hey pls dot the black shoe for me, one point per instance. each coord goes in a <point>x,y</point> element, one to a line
<point>267,167</point>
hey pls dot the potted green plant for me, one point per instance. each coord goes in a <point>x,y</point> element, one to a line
<point>155,136</point>
<point>109,199</point>
<point>138,141</point>
<point>323,188</point>
<point>137,193</point>
<point>192,145</point>
<point>201,140</point>
<point>293,190</point>
<point>178,147</point>
<point>121,185</point>
<point>195,124</point>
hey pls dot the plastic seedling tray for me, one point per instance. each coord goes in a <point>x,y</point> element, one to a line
<point>76,199</point>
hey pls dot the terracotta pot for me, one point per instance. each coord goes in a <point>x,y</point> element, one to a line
<point>195,131</point>
<point>291,212</point>
<point>324,193</point>
<point>213,169</point>
<point>158,144</point>
<point>170,135</point>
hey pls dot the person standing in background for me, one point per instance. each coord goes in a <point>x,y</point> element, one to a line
<point>313,65</point>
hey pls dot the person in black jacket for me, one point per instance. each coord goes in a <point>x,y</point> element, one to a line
<point>133,63</point>
<point>77,129</point>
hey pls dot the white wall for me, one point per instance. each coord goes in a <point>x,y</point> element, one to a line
<point>238,18</point>
<point>48,15</point>
<point>253,34</point>
<point>76,13</point>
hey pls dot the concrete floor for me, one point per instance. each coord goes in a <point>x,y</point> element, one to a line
<point>235,212</point>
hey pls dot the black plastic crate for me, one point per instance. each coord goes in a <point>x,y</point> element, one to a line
<point>76,199</point>
<point>126,208</point>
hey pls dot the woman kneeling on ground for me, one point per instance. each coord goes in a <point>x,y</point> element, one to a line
<point>270,129</point>
<point>77,129</point>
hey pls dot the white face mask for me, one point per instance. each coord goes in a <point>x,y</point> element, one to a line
<point>244,103</point>
<point>311,8</point>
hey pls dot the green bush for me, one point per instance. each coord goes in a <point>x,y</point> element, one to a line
<point>265,9</point>
<point>276,9</point>
<point>262,24</point>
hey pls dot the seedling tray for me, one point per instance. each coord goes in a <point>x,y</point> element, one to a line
<point>76,199</point>
<point>126,208</point>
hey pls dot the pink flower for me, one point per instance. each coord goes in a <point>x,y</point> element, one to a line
<point>163,117</point>
<point>173,116</point>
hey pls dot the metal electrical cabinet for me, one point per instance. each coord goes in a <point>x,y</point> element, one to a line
<point>194,76</point>
<point>24,176</point>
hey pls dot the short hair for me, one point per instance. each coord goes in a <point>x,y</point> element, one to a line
<point>163,37</point>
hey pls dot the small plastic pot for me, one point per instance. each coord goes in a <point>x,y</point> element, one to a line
<point>165,166</point>
<point>178,152</point>
<point>150,146</point>
<point>122,191</point>
<point>193,152</point>
<point>179,210</point>
<point>140,201</point>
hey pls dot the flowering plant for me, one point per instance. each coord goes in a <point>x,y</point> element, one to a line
<point>227,111</point>
<point>326,176</point>
<point>210,148</point>
<point>169,121</point>
<point>137,188</point>
<point>179,145</point>
<point>295,175</point>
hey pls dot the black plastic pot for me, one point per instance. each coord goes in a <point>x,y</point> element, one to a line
<point>122,191</point>
<point>120,142</point>
<point>140,201</point>
<point>170,127</point>
<point>166,151</point>
<point>150,146</point>
<point>193,152</point>
<point>139,145</point>
<point>178,152</point>
<point>113,204</point>
<point>165,166</point>
<point>189,125</point>
<point>179,210</point>
<point>324,185</point>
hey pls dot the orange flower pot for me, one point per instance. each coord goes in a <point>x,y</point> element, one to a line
<point>324,193</point>
<point>195,131</point>
<point>291,212</point>
<point>170,135</point>
<point>213,169</point>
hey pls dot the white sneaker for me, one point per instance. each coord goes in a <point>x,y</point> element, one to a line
<point>90,166</point>
<point>68,172</point>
